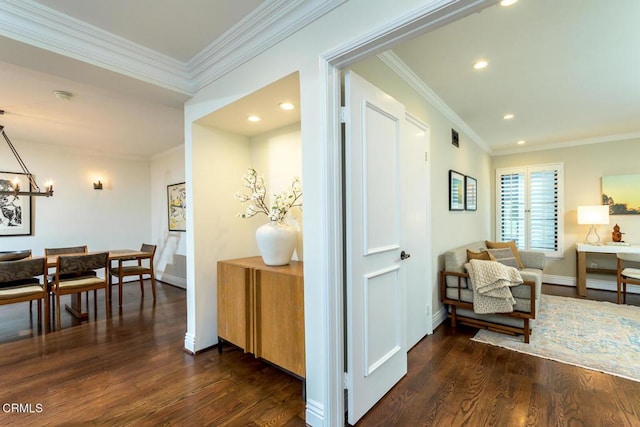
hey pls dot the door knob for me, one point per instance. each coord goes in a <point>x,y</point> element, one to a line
<point>404,255</point>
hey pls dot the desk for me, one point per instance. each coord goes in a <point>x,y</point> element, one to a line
<point>114,255</point>
<point>582,249</point>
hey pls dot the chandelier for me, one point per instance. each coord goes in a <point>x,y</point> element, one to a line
<point>15,190</point>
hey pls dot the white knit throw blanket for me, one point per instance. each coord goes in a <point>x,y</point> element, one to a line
<point>491,281</point>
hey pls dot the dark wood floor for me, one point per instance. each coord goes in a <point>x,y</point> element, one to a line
<point>131,370</point>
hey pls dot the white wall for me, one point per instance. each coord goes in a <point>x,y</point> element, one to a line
<point>221,159</point>
<point>115,217</point>
<point>584,167</point>
<point>170,261</point>
<point>277,156</point>
<point>342,28</point>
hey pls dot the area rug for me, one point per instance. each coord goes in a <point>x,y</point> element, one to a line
<point>596,335</point>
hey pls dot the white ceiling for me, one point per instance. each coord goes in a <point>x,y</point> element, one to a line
<point>567,69</point>
<point>179,29</point>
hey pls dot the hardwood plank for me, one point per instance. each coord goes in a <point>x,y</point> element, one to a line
<point>131,370</point>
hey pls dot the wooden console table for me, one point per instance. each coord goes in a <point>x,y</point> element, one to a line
<point>261,310</point>
<point>582,249</point>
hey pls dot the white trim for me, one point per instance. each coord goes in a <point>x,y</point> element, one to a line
<point>46,28</point>
<point>439,317</point>
<point>38,25</point>
<point>574,143</point>
<point>334,409</point>
<point>180,282</point>
<point>190,343</point>
<point>314,415</point>
<point>269,24</point>
<point>604,285</point>
<point>402,70</point>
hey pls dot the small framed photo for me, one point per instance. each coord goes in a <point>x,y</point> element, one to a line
<point>471,193</point>
<point>177,205</point>
<point>15,211</point>
<point>456,191</point>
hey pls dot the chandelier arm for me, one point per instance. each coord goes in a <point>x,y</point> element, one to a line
<point>22,164</point>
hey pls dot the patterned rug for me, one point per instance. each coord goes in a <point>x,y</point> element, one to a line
<point>596,335</point>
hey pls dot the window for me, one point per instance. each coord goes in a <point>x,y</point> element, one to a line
<point>529,203</point>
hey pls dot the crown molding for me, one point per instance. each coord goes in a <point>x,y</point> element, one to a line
<point>37,25</point>
<point>32,23</point>
<point>391,60</point>
<point>269,24</point>
<point>567,144</point>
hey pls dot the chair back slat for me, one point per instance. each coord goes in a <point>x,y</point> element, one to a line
<point>81,263</point>
<point>67,250</point>
<point>148,248</point>
<point>633,257</point>
<point>22,269</point>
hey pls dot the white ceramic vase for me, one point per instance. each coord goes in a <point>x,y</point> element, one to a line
<point>276,242</point>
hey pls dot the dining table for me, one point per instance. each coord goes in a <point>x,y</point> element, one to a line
<point>75,308</point>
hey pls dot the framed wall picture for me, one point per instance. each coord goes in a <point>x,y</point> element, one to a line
<point>177,205</point>
<point>620,193</point>
<point>15,211</point>
<point>470,193</point>
<point>456,191</point>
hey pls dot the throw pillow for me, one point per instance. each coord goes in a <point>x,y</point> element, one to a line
<point>504,256</point>
<point>510,244</point>
<point>484,255</point>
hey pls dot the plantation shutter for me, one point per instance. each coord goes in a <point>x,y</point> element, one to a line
<point>511,210</point>
<point>543,203</point>
<point>529,201</point>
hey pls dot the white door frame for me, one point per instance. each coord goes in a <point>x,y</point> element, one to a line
<point>429,17</point>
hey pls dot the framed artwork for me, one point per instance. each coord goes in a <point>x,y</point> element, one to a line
<point>471,193</point>
<point>620,193</point>
<point>456,191</point>
<point>15,211</point>
<point>177,205</point>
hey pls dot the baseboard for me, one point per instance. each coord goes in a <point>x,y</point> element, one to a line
<point>604,285</point>
<point>180,282</point>
<point>439,317</point>
<point>314,415</point>
<point>189,343</point>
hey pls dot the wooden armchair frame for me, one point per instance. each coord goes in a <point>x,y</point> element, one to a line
<point>485,324</point>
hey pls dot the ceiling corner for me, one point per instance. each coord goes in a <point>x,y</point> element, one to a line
<point>266,26</point>
<point>37,25</point>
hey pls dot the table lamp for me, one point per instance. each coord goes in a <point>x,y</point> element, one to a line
<point>593,215</point>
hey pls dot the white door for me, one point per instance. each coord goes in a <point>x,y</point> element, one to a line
<point>376,353</point>
<point>415,237</point>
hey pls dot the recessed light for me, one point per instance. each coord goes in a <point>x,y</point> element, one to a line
<point>286,106</point>
<point>508,116</point>
<point>521,142</point>
<point>480,64</point>
<point>507,2</point>
<point>253,118</point>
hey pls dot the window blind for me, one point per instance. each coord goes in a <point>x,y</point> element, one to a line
<point>529,201</point>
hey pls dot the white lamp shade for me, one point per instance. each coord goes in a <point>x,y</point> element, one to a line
<point>598,214</point>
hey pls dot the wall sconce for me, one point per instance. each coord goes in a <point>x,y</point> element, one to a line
<point>97,185</point>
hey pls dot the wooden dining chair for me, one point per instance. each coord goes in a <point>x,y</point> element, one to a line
<point>83,249</point>
<point>78,273</point>
<point>627,275</point>
<point>19,282</point>
<point>143,266</point>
